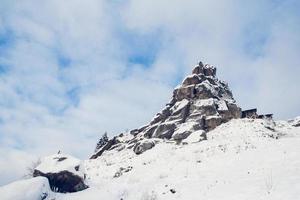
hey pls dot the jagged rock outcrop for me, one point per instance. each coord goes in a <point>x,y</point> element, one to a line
<point>201,102</point>
<point>63,173</point>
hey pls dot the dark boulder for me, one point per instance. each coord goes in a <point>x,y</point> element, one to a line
<point>63,172</point>
<point>63,181</point>
<point>164,130</point>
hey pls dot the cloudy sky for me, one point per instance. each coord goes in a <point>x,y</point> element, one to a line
<point>70,70</point>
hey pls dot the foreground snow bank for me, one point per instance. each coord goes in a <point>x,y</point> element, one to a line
<point>30,189</point>
<point>241,159</point>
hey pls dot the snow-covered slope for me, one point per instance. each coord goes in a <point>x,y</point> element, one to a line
<point>30,189</point>
<point>241,159</point>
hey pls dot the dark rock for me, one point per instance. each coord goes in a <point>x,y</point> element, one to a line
<point>180,112</point>
<point>63,181</point>
<point>61,159</point>
<point>143,146</point>
<point>164,130</point>
<point>122,170</point>
<point>181,135</point>
<point>191,80</point>
<point>173,191</point>
<point>76,168</point>
<point>198,69</point>
<point>187,92</point>
<point>134,132</point>
<point>234,110</point>
<point>212,122</point>
<point>210,70</point>
<point>149,131</point>
<point>203,91</point>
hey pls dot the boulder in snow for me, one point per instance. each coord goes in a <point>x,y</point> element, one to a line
<point>63,172</point>
<point>143,146</point>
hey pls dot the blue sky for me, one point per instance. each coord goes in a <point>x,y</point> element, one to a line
<point>71,70</point>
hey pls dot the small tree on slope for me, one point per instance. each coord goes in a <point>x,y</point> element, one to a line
<point>102,141</point>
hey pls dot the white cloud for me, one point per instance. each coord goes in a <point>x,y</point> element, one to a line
<point>13,164</point>
<point>239,37</point>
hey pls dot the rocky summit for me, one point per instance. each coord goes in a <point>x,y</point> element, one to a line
<point>200,103</point>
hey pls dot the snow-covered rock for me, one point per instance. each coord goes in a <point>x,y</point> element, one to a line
<point>64,172</point>
<point>143,146</point>
<point>184,130</point>
<point>31,189</point>
<point>195,137</point>
<point>201,102</point>
<point>295,122</point>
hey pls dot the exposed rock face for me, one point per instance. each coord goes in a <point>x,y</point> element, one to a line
<point>140,147</point>
<point>201,102</point>
<point>200,99</point>
<point>63,173</point>
<point>63,181</point>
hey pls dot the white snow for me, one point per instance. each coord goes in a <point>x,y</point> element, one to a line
<point>30,189</point>
<point>52,164</point>
<point>212,117</point>
<point>204,102</point>
<point>241,159</point>
<point>222,106</point>
<point>187,126</point>
<point>194,137</point>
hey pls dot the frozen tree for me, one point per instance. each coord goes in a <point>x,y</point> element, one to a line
<point>102,141</point>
